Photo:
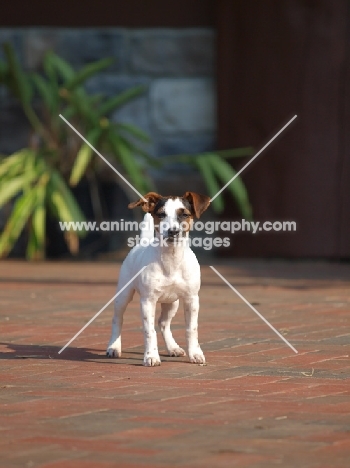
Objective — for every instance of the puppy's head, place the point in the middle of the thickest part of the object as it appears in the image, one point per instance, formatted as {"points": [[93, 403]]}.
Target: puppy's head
{"points": [[173, 215]]}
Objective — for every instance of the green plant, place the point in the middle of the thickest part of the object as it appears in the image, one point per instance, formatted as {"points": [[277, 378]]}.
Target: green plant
{"points": [[38, 177], [216, 172]]}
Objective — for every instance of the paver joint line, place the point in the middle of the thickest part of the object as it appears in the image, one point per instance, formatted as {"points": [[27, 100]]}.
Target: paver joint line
{"points": [[253, 309], [101, 310]]}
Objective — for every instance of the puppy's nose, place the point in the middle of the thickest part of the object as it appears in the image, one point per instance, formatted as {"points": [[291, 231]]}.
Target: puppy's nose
{"points": [[173, 232]]}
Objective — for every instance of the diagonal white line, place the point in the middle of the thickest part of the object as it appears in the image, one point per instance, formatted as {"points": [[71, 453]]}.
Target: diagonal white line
{"points": [[254, 157], [100, 311], [102, 157], [253, 309]]}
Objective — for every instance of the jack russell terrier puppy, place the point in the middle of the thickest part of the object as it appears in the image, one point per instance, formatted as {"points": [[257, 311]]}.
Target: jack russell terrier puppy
{"points": [[172, 272]]}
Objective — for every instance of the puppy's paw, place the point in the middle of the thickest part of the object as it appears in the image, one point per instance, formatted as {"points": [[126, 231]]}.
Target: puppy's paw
{"points": [[150, 360], [177, 352], [113, 352], [197, 357]]}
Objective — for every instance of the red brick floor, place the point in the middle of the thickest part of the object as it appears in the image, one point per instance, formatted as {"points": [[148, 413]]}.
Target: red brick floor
{"points": [[256, 403]]}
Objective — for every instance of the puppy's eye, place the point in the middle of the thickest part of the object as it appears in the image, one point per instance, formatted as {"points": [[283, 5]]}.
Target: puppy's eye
{"points": [[185, 215], [161, 215]]}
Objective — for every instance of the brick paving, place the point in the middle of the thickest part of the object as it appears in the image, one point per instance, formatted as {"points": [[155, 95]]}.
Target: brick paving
{"points": [[255, 404]]}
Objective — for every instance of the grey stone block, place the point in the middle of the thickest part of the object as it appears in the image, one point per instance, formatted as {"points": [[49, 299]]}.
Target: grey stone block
{"points": [[110, 84], [37, 42], [14, 126], [183, 105], [136, 113], [80, 47], [177, 52], [186, 144], [77, 46], [183, 144]]}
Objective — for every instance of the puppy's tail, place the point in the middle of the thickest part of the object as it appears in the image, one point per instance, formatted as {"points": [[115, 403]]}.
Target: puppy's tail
{"points": [[147, 229]]}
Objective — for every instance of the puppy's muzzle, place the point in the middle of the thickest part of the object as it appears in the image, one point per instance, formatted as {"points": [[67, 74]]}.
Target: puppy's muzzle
{"points": [[173, 233]]}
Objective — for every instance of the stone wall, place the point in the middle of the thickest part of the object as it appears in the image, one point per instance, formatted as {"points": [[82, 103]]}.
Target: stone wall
{"points": [[177, 65]]}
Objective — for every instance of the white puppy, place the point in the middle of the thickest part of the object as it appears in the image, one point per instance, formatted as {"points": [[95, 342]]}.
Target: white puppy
{"points": [[172, 272]]}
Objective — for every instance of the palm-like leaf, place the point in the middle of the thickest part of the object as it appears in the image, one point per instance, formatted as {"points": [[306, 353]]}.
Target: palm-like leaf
{"points": [[64, 207], [225, 173], [45, 91], [133, 131], [66, 204], [21, 86], [84, 156], [12, 165], [63, 68], [37, 234], [204, 166], [125, 157], [86, 72], [117, 101], [11, 187], [18, 219]]}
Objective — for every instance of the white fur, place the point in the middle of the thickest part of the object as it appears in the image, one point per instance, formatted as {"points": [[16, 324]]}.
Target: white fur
{"points": [[172, 273], [147, 232], [171, 220]]}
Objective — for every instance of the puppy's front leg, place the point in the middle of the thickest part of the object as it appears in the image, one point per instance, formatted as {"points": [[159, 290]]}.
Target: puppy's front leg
{"points": [[115, 345], [148, 310], [195, 353], [167, 314]]}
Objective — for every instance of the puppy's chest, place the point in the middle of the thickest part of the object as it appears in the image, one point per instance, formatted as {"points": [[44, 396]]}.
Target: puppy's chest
{"points": [[170, 288]]}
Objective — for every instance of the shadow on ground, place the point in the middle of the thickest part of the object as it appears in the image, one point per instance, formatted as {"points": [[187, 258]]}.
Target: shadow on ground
{"points": [[42, 352]]}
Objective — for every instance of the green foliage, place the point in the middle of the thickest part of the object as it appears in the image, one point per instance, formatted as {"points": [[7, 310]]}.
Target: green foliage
{"points": [[37, 179], [216, 172], [214, 168]]}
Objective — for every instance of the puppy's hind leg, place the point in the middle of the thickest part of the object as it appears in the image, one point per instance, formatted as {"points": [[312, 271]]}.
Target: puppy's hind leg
{"points": [[168, 312], [115, 346]]}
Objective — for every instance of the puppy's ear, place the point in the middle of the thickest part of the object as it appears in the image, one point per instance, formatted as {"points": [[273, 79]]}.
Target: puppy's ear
{"points": [[199, 203], [147, 206]]}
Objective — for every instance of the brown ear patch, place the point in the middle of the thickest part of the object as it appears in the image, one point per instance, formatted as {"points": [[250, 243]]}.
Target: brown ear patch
{"points": [[147, 206], [198, 202]]}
